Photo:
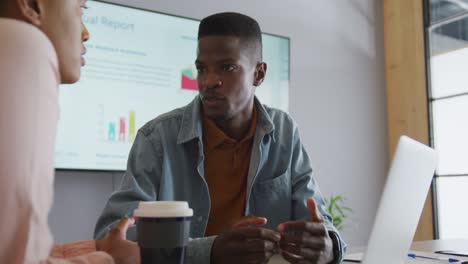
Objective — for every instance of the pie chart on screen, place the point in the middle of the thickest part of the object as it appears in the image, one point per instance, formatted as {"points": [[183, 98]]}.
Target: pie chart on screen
{"points": [[189, 79]]}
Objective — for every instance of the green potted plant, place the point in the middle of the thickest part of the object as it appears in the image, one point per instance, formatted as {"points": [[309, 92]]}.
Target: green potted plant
{"points": [[338, 210]]}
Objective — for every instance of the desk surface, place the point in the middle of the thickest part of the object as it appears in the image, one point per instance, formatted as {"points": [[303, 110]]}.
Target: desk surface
{"points": [[433, 245], [429, 246]]}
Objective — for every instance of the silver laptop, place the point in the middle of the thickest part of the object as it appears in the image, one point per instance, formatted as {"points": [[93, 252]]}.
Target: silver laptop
{"points": [[402, 202]]}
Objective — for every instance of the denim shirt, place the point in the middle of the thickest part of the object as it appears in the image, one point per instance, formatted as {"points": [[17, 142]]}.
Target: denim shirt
{"points": [[166, 163]]}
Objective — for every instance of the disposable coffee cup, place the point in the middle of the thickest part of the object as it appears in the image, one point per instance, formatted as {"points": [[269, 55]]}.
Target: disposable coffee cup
{"points": [[163, 230]]}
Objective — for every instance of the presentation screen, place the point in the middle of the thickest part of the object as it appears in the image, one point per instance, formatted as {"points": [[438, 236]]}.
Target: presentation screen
{"points": [[139, 64]]}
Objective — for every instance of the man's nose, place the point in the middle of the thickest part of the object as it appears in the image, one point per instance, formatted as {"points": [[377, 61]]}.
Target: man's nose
{"points": [[211, 81]]}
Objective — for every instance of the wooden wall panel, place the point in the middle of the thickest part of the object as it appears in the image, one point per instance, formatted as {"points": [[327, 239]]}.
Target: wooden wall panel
{"points": [[405, 72]]}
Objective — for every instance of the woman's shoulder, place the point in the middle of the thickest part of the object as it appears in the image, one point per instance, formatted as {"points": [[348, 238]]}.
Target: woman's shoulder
{"points": [[20, 39]]}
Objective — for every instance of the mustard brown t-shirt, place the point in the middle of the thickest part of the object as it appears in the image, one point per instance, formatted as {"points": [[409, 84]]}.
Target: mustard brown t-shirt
{"points": [[227, 164]]}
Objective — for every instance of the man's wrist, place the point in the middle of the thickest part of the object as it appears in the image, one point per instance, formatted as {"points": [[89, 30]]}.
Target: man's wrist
{"points": [[337, 250], [199, 250]]}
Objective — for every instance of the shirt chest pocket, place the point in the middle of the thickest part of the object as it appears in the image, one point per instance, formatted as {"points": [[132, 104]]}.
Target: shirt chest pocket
{"points": [[271, 198]]}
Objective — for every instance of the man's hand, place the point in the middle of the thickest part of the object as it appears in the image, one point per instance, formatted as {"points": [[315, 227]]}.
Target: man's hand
{"points": [[250, 221], [306, 242], [246, 242], [115, 243]]}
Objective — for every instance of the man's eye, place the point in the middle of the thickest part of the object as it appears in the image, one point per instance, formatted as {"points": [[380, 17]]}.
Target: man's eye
{"points": [[200, 69], [229, 67]]}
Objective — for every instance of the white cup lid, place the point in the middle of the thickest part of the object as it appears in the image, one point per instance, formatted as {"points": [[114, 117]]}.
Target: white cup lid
{"points": [[163, 209]]}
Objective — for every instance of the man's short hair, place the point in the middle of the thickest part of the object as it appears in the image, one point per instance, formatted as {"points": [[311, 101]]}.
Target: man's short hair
{"points": [[234, 25]]}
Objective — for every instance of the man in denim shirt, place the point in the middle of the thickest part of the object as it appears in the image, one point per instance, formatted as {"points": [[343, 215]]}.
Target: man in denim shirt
{"points": [[230, 156]]}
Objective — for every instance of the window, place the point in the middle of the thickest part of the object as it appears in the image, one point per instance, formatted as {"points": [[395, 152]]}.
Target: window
{"points": [[447, 42]]}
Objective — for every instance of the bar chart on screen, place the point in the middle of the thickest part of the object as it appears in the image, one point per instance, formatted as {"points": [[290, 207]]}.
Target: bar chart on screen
{"points": [[189, 79], [117, 128]]}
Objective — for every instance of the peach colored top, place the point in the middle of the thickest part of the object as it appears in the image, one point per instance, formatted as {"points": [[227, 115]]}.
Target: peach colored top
{"points": [[29, 80]]}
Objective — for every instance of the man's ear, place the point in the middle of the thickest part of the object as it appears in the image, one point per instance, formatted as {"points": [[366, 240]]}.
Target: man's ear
{"points": [[260, 73], [31, 11]]}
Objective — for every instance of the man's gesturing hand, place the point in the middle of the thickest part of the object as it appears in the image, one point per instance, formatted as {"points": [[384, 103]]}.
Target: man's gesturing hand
{"points": [[246, 242], [306, 241]]}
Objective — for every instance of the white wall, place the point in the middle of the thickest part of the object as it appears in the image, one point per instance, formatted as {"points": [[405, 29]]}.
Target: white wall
{"points": [[337, 97]]}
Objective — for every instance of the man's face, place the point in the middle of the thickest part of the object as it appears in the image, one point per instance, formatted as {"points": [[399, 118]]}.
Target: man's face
{"points": [[226, 76], [61, 22]]}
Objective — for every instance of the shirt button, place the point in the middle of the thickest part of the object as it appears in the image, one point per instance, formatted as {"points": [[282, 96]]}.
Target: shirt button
{"points": [[200, 218]]}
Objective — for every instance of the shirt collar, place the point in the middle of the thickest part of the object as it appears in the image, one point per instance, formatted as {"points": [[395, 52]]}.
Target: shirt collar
{"points": [[213, 136], [191, 124]]}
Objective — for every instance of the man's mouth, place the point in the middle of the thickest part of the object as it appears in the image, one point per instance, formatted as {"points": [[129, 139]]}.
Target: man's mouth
{"points": [[212, 100]]}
